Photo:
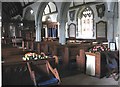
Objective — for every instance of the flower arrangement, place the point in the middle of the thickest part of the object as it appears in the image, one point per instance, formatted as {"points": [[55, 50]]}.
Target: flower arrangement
{"points": [[98, 48], [34, 56]]}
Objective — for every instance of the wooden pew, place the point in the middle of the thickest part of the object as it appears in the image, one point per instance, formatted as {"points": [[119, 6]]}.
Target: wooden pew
{"points": [[71, 52], [15, 74], [12, 54], [81, 60], [40, 73]]}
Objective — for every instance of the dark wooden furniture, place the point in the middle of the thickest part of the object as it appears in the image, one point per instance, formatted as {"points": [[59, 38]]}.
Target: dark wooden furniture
{"points": [[42, 73], [100, 63], [70, 53], [15, 74], [81, 60]]}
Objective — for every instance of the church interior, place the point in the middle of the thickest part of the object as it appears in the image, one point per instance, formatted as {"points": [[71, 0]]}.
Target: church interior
{"points": [[60, 42]]}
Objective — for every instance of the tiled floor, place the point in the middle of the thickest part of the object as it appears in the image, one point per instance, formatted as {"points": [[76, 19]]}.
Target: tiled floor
{"points": [[82, 79]]}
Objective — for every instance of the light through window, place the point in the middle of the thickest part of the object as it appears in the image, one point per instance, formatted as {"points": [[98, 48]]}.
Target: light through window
{"points": [[85, 24]]}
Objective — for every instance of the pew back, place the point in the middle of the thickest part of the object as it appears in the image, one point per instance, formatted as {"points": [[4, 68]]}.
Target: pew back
{"points": [[15, 74]]}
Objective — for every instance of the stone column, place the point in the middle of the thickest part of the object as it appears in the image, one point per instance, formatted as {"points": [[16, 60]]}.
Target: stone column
{"points": [[38, 27], [38, 38], [111, 26], [38, 32], [62, 38], [110, 31]]}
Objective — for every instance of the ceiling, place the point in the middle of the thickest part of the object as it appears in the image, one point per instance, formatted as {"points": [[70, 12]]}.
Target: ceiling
{"points": [[11, 9]]}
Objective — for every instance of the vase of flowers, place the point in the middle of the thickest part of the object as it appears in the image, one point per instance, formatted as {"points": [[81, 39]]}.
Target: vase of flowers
{"points": [[98, 48], [34, 56]]}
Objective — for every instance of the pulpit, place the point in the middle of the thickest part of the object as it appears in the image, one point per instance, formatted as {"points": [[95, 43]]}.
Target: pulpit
{"points": [[96, 64]]}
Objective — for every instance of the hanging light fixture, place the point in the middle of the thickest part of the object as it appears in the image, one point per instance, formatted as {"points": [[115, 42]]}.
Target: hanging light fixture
{"points": [[31, 11]]}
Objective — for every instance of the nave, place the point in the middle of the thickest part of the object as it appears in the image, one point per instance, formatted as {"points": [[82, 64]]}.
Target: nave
{"points": [[15, 71], [60, 43]]}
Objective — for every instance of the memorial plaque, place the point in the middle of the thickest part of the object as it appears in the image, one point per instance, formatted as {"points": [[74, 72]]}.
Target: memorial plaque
{"points": [[72, 30], [101, 29]]}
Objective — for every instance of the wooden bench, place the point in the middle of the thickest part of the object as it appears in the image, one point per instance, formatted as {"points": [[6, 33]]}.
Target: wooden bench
{"points": [[42, 73], [15, 74]]}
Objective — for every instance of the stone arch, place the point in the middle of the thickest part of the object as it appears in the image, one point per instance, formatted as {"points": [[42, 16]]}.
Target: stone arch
{"points": [[27, 14], [40, 11], [62, 18], [63, 11], [38, 19]]}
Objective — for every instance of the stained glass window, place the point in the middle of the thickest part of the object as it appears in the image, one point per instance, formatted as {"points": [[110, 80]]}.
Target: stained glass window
{"points": [[85, 24]]}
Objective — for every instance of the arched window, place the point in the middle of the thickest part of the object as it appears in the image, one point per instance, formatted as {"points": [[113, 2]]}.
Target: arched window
{"points": [[85, 24], [50, 8]]}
